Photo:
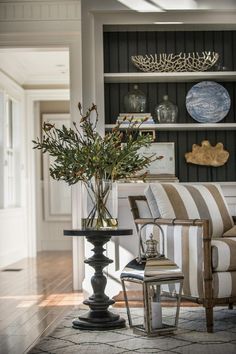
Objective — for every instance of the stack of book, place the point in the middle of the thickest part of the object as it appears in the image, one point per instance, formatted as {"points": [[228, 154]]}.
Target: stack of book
{"points": [[126, 118], [161, 177], [148, 178]]}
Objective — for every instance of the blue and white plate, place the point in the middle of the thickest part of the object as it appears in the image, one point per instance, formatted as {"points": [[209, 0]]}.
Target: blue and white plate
{"points": [[208, 102]]}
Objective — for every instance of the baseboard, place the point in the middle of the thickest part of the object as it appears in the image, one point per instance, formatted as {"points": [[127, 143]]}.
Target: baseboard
{"points": [[12, 257]]}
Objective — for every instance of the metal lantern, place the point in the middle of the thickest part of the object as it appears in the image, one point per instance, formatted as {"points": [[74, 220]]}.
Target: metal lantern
{"points": [[162, 288], [162, 283]]}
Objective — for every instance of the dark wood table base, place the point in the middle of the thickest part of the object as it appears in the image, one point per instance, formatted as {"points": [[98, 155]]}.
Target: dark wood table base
{"points": [[99, 317], [101, 321]]}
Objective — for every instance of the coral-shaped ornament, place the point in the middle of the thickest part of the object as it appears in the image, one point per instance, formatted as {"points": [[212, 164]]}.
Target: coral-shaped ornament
{"points": [[208, 155]]}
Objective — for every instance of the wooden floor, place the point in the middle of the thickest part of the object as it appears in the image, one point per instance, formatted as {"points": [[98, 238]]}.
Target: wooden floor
{"points": [[34, 296]]}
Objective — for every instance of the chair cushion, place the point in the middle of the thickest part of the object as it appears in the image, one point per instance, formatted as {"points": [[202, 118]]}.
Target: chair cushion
{"points": [[231, 232], [224, 254], [189, 201]]}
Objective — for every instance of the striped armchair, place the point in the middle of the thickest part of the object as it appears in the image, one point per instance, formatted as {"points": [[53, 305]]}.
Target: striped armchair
{"points": [[200, 237]]}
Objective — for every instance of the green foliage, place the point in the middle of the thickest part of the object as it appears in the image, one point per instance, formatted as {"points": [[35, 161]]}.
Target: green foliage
{"points": [[81, 154]]}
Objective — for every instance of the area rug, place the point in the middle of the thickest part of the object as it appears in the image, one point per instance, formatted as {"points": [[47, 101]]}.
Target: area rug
{"points": [[190, 338]]}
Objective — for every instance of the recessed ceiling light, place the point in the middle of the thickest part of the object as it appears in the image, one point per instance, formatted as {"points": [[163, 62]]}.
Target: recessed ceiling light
{"points": [[141, 5], [168, 23]]}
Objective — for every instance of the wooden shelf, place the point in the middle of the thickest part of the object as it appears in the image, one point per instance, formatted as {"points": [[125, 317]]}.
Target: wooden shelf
{"points": [[169, 77], [181, 126]]}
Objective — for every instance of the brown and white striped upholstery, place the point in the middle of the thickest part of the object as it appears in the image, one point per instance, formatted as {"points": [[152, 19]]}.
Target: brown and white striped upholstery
{"points": [[180, 240], [224, 254], [200, 201], [184, 246], [188, 241], [224, 284]]}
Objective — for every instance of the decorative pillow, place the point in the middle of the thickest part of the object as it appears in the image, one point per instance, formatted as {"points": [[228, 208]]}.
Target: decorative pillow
{"points": [[231, 232], [189, 201]]}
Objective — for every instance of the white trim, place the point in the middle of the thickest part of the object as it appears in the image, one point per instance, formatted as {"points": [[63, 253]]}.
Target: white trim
{"points": [[77, 242], [11, 87]]}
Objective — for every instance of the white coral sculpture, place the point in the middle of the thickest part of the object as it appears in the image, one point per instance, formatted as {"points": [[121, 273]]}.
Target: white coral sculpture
{"points": [[175, 62]]}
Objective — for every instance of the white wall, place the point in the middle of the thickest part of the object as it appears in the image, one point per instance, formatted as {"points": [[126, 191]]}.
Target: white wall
{"points": [[13, 236], [13, 240]]}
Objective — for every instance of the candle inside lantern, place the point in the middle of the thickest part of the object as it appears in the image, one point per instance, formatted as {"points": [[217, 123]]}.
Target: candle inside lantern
{"points": [[156, 315]]}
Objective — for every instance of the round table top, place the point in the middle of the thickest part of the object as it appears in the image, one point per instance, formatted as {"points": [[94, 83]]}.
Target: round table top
{"points": [[98, 232]]}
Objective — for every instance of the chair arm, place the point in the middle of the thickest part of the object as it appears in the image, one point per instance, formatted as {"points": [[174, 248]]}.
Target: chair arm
{"points": [[181, 222], [188, 244]]}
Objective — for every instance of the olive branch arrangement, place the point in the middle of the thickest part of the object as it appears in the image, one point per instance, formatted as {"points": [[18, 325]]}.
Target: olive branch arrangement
{"points": [[82, 154]]}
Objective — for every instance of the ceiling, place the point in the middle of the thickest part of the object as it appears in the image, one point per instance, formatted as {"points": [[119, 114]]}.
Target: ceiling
{"points": [[177, 5], [36, 67]]}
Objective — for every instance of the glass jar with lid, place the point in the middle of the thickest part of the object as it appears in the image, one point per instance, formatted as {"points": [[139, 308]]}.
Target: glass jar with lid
{"points": [[166, 111], [135, 101]]}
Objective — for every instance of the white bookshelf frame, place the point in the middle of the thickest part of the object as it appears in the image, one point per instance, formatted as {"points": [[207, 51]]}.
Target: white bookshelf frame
{"points": [[135, 77], [182, 126]]}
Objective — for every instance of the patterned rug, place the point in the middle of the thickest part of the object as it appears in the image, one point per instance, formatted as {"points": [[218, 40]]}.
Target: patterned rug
{"points": [[190, 338]]}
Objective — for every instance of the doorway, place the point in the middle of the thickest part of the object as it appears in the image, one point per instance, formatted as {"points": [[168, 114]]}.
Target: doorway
{"points": [[38, 79], [53, 201]]}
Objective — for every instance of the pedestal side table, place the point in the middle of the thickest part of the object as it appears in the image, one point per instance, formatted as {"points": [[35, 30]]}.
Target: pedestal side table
{"points": [[98, 317]]}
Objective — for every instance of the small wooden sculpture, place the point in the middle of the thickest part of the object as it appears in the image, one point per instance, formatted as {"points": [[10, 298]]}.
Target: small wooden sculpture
{"points": [[208, 155]]}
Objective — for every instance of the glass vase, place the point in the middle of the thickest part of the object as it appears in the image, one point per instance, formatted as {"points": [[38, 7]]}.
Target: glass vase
{"points": [[166, 111], [135, 101], [100, 204]]}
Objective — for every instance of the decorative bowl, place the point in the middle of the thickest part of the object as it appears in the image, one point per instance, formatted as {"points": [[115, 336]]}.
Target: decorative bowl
{"points": [[175, 62]]}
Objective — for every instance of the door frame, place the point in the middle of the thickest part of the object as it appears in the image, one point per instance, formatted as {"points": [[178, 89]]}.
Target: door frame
{"points": [[31, 97]]}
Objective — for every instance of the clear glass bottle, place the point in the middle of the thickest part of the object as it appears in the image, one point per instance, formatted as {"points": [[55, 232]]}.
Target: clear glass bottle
{"points": [[166, 111], [135, 101]]}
